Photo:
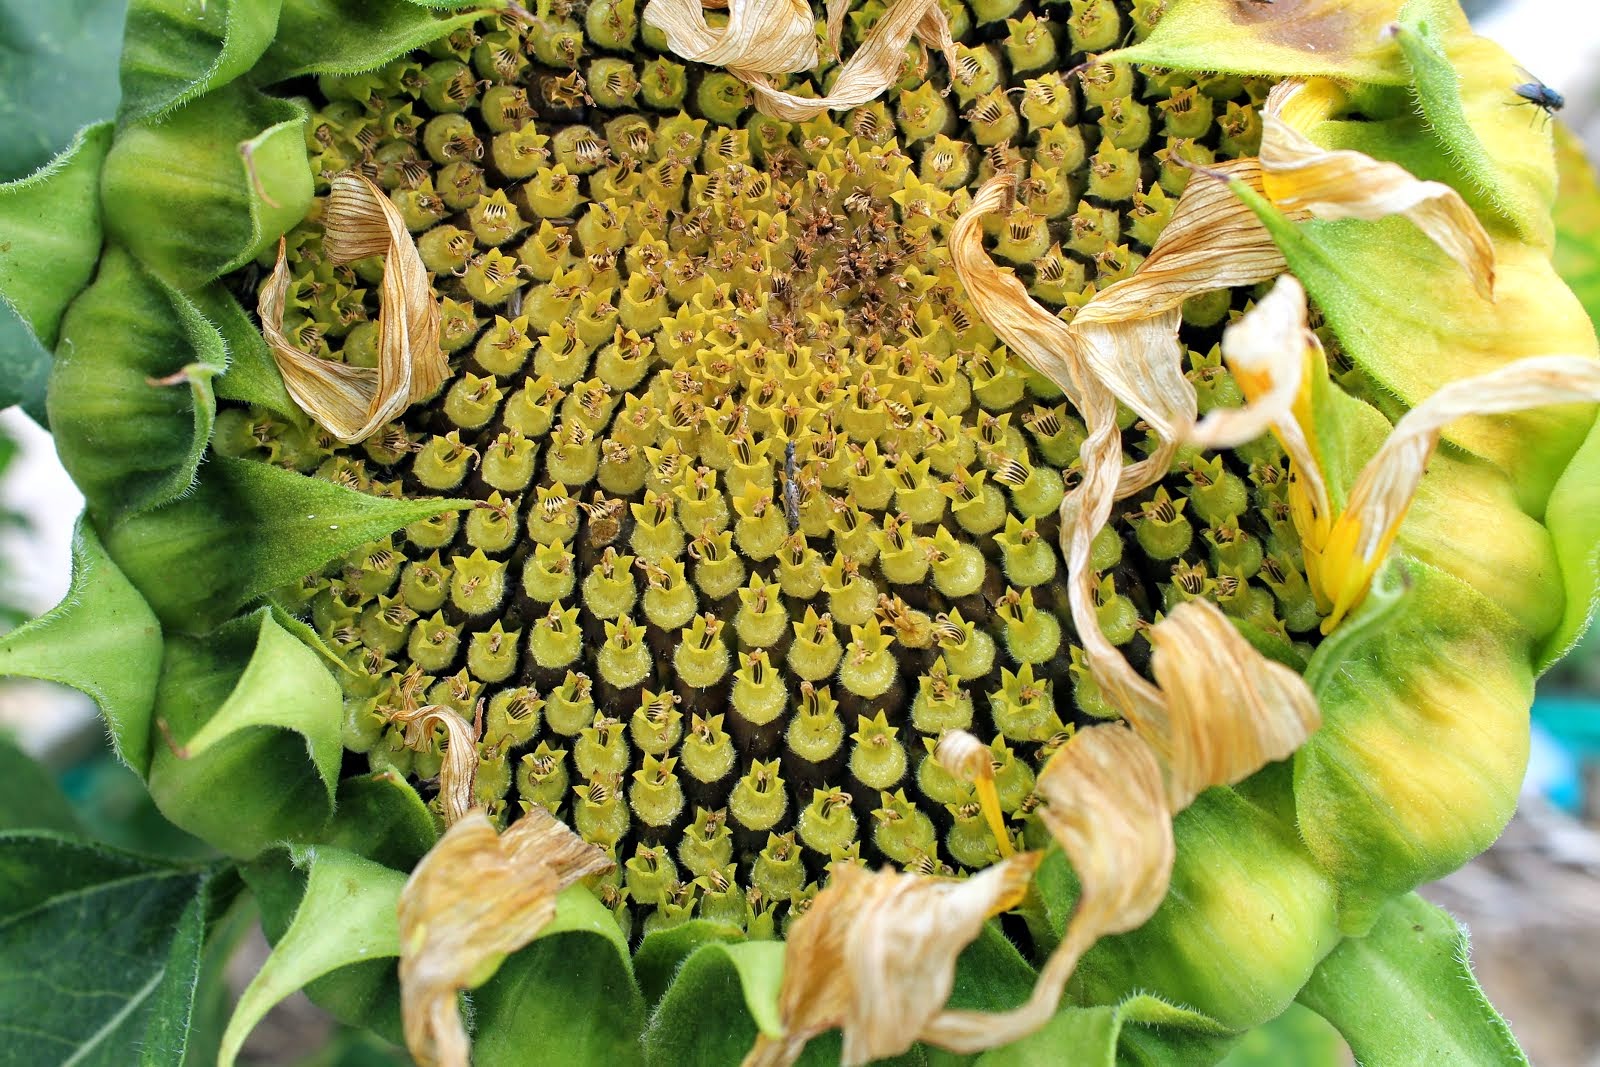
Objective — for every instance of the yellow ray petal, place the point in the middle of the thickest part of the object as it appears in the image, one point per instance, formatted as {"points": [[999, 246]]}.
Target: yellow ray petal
{"points": [[476, 897], [1363, 533], [973, 761], [873, 67], [458, 773], [761, 36], [352, 402], [1105, 804], [1299, 175], [875, 955]]}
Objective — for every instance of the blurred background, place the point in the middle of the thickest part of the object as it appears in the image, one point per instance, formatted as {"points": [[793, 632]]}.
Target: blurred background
{"points": [[1532, 902]]}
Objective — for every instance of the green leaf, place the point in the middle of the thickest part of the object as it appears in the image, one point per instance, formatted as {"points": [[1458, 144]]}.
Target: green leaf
{"points": [[345, 917], [131, 400], [60, 74], [346, 36], [102, 639], [248, 713], [569, 994], [1405, 994], [30, 799], [51, 222], [246, 529], [210, 186], [1460, 112], [177, 50], [99, 952], [1095, 1036]]}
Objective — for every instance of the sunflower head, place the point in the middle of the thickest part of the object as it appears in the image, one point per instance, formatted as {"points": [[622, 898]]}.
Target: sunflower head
{"points": [[889, 482]]}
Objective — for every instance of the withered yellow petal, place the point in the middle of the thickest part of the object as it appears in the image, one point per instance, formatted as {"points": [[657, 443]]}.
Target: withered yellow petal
{"points": [[875, 955], [761, 36], [352, 402], [476, 897], [460, 768], [1299, 175], [1365, 530], [1105, 803]]}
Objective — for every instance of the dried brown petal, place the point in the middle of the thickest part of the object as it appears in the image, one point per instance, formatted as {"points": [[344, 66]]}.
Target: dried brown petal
{"points": [[476, 897], [761, 36], [352, 402], [460, 768], [1299, 175], [1231, 711], [873, 67], [1214, 241], [1106, 806], [876, 956]]}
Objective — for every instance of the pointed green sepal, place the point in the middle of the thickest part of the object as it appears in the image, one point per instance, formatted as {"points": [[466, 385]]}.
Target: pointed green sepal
{"points": [[1424, 693], [249, 713], [175, 50], [131, 398], [1109, 1035], [343, 921], [209, 187], [246, 529], [571, 992], [52, 224], [102, 639], [347, 36]]}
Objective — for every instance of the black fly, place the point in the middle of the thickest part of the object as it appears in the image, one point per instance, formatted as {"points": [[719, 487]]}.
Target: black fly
{"points": [[791, 487], [1535, 92]]}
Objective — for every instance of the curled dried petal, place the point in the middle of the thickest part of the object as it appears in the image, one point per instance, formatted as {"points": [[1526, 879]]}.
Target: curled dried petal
{"points": [[459, 771], [873, 67], [1105, 803], [1299, 175], [1363, 533], [761, 36], [352, 402], [875, 955], [1273, 355], [476, 897], [1231, 711], [1214, 241]]}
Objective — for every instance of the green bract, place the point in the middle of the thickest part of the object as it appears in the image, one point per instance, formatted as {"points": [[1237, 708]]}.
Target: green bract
{"points": [[126, 257]]}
